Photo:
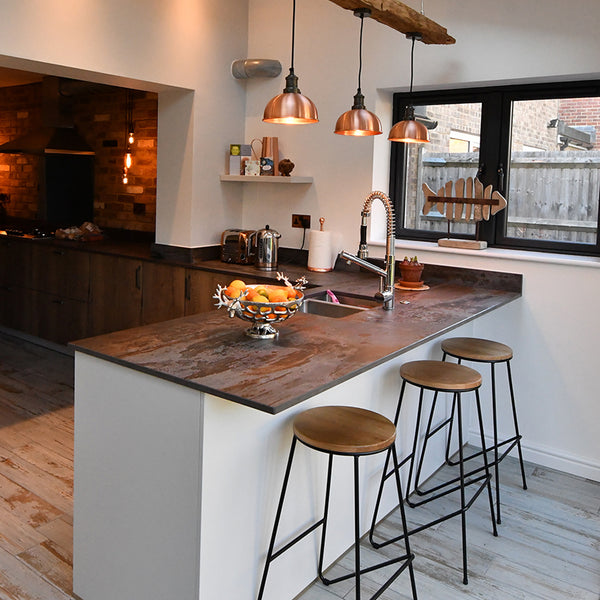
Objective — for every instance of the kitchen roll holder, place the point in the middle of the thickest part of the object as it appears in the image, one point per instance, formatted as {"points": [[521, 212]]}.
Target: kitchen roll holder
{"points": [[322, 251]]}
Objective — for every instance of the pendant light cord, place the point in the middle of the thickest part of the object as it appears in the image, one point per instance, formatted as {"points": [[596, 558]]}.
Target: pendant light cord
{"points": [[293, 33], [412, 63], [362, 22]]}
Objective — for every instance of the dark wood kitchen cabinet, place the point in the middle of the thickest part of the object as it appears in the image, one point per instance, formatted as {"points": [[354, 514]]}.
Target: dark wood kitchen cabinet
{"points": [[15, 273], [57, 318], [61, 271], [15, 262], [15, 307], [57, 294], [199, 289], [44, 289], [163, 292], [115, 293], [62, 294]]}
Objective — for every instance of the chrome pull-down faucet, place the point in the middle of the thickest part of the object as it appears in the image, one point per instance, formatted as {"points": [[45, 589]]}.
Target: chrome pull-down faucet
{"points": [[386, 275]]}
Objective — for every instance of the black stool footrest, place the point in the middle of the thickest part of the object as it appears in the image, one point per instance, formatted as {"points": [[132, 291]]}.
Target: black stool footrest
{"points": [[513, 441], [407, 558], [300, 536]]}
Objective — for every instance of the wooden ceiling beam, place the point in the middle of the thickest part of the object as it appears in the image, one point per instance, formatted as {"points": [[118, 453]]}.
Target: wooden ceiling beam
{"points": [[400, 17]]}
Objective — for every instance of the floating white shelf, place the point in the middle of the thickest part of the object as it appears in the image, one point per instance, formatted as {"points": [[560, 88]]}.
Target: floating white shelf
{"points": [[266, 179]]}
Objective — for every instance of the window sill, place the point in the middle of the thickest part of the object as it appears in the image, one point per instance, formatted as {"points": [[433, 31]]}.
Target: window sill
{"points": [[495, 253]]}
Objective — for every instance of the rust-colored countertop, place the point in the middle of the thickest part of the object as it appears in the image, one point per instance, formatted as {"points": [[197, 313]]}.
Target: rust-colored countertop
{"points": [[211, 353]]}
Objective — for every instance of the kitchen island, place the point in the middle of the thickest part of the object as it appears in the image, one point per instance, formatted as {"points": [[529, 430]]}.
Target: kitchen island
{"points": [[182, 430]]}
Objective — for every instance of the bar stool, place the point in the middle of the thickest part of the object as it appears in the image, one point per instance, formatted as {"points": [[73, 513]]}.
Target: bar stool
{"points": [[438, 376], [487, 351], [344, 431]]}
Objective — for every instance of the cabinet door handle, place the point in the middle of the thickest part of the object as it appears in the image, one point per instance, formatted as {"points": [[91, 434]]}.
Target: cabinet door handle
{"points": [[58, 301], [59, 252], [138, 278]]}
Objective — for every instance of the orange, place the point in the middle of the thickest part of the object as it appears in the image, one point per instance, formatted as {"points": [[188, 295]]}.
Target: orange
{"points": [[232, 292], [237, 283], [291, 293], [278, 295]]}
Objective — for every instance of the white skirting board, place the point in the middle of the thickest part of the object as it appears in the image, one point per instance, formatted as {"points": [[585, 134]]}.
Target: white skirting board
{"points": [[549, 457]]}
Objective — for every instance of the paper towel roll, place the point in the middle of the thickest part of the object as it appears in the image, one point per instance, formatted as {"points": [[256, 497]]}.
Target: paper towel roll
{"points": [[320, 251]]}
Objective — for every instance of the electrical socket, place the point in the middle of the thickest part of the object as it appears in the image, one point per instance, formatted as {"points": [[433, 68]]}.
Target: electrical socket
{"points": [[302, 221]]}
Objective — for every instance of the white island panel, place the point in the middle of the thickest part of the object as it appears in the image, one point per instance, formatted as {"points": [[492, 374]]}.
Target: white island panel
{"points": [[137, 482]]}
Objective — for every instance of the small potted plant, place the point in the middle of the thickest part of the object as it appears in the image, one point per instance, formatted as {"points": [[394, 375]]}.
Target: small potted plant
{"points": [[411, 270]]}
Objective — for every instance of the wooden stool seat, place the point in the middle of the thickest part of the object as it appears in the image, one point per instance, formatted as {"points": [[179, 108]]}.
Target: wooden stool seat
{"points": [[344, 430], [477, 349], [440, 376]]}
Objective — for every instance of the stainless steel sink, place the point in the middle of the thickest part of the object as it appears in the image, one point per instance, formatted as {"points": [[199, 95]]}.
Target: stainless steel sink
{"points": [[323, 305]]}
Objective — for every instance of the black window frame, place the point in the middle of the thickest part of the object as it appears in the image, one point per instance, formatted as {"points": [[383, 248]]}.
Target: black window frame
{"points": [[494, 155]]}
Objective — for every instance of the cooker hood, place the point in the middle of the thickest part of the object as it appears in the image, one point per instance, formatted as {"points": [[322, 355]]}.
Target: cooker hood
{"points": [[57, 134]]}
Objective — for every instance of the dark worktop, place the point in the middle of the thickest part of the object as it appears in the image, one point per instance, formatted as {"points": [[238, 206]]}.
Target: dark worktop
{"points": [[211, 353]]}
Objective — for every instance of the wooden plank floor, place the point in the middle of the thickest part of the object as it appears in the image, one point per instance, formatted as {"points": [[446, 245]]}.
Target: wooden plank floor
{"points": [[36, 472], [548, 547]]}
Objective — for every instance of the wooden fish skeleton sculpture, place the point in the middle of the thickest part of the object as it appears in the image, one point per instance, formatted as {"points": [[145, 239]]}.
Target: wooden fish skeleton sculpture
{"points": [[465, 202]]}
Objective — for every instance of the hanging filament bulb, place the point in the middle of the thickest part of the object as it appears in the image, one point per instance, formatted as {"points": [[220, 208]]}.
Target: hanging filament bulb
{"points": [[128, 158]]}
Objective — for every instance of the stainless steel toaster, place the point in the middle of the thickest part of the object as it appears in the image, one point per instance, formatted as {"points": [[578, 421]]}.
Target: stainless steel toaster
{"points": [[237, 246]]}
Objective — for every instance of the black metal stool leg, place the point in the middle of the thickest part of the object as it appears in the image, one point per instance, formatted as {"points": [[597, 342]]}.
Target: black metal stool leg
{"points": [[270, 555], [325, 515], [384, 473], [485, 462], [517, 432], [413, 453], [495, 423], [356, 530], [463, 506], [409, 554]]}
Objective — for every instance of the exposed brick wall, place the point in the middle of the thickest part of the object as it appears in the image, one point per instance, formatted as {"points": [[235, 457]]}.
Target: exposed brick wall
{"points": [[581, 111], [100, 119], [453, 117], [530, 125], [20, 110]]}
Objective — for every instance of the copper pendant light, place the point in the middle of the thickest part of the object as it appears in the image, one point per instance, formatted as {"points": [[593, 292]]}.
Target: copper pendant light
{"points": [[291, 107], [409, 130], [359, 121]]}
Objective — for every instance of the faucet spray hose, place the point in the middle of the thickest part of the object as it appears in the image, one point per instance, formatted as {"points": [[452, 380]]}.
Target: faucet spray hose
{"points": [[363, 234]]}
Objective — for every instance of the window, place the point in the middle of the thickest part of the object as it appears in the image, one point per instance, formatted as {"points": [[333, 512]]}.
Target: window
{"points": [[538, 145]]}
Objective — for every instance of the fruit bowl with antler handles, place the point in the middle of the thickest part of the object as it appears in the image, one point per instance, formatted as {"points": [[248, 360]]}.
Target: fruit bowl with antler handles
{"points": [[262, 304]]}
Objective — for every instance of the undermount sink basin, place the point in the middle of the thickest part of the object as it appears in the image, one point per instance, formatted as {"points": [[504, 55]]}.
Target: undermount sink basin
{"points": [[322, 304]]}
